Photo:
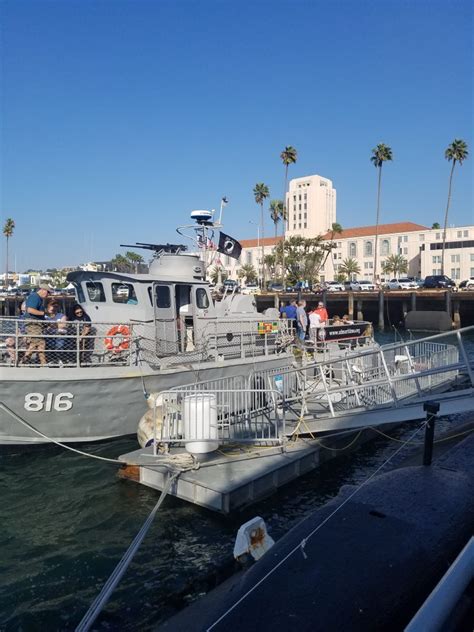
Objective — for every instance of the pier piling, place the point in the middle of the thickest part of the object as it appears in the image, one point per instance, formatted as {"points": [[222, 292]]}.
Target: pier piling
{"points": [[413, 301], [360, 313], [350, 305], [381, 312], [456, 316]]}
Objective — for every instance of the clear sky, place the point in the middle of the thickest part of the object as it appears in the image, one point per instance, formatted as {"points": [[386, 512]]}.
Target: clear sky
{"points": [[118, 118]]}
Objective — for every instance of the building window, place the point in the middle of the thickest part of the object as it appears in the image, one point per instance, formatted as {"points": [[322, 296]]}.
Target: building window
{"points": [[455, 273], [405, 251], [299, 197], [294, 198], [299, 225], [352, 249], [459, 233], [422, 237], [385, 249], [305, 206], [306, 216], [249, 257], [305, 225], [437, 259], [472, 256], [294, 226], [472, 272], [436, 270], [466, 233], [405, 238], [305, 196], [437, 236], [368, 249], [455, 258], [299, 207]]}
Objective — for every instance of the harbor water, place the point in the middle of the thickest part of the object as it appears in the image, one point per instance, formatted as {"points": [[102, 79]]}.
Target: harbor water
{"points": [[66, 520]]}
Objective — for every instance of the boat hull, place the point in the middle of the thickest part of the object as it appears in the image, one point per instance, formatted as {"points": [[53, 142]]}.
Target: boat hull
{"points": [[76, 405]]}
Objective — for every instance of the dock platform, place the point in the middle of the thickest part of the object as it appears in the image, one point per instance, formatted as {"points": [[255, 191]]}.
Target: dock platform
{"points": [[226, 481]]}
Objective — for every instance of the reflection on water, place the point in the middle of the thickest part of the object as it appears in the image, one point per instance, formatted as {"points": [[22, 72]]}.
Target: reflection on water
{"points": [[67, 520]]}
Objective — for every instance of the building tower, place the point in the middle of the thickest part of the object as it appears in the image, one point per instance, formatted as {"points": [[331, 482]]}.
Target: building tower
{"points": [[311, 204]]}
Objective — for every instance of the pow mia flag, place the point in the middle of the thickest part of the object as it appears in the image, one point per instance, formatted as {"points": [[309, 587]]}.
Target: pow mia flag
{"points": [[229, 246]]}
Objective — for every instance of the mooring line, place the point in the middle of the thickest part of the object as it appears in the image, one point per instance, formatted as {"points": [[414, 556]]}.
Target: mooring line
{"points": [[100, 601]]}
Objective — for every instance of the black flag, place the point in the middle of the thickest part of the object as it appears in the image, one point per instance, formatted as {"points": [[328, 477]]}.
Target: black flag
{"points": [[229, 246]]}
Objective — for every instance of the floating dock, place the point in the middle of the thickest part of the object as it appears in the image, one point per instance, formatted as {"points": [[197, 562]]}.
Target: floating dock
{"points": [[227, 480]]}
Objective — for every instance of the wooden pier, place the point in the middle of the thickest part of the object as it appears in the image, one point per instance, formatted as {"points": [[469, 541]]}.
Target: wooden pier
{"points": [[385, 308]]}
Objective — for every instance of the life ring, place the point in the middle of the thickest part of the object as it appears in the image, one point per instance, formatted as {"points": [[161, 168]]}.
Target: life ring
{"points": [[118, 334]]}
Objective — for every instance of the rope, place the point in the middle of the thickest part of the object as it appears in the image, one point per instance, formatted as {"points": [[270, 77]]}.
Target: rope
{"points": [[109, 586], [346, 447], [300, 546], [455, 436], [16, 417]]}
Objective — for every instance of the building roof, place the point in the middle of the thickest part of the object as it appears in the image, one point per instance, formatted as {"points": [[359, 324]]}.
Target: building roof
{"points": [[266, 241], [384, 229]]}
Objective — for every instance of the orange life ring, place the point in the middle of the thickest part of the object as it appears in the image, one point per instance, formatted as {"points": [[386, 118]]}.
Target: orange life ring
{"points": [[120, 334]]}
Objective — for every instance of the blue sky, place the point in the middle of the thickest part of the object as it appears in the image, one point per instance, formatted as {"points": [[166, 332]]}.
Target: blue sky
{"points": [[119, 118]]}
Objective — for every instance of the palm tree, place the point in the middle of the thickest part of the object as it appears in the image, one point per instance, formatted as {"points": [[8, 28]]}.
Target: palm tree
{"points": [[349, 267], [336, 229], [435, 226], [396, 264], [457, 152], [135, 259], [289, 157], [261, 193], [276, 213], [380, 154], [120, 263], [217, 274], [249, 272], [8, 229]]}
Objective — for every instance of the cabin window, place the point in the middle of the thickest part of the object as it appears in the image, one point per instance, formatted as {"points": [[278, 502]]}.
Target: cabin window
{"points": [[124, 293], [79, 293], [95, 292], [202, 299], [163, 296]]}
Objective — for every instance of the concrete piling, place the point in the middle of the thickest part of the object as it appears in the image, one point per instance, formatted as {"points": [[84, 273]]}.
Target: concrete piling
{"points": [[381, 312]]}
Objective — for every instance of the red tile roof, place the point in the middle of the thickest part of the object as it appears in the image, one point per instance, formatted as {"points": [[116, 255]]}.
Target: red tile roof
{"points": [[384, 229], [252, 243]]}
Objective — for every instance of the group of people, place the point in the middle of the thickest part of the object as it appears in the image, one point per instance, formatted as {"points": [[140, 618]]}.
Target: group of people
{"points": [[43, 329], [311, 323]]}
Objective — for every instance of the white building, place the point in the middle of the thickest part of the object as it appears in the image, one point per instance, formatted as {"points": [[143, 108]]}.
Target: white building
{"points": [[311, 204]]}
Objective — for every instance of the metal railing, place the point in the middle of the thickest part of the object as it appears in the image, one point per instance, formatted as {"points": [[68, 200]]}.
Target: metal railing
{"points": [[203, 414], [378, 377], [33, 343]]}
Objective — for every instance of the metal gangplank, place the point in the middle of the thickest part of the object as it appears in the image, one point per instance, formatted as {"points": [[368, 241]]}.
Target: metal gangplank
{"points": [[391, 380]]}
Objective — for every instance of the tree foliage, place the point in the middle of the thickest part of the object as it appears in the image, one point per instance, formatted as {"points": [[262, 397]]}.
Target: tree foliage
{"points": [[8, 229], [395, 264], [303, 257], [248, 273], [349, 267]]}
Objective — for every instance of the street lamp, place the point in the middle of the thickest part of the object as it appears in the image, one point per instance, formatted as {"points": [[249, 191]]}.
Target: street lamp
{"points": [[260, 276]]}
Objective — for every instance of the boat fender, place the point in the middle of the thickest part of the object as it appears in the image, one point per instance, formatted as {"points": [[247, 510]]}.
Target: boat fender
{"points": [[145, 430], [118, 339]]}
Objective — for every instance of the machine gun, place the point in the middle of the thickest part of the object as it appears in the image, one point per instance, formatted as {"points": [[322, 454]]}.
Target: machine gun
{"points": [[158, 248]]}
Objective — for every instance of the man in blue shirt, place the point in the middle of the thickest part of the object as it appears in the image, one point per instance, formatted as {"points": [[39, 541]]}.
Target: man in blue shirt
{"points": [[34, 328]]}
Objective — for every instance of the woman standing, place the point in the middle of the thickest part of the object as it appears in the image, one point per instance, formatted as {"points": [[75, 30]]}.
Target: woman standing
{"points": [[86, 341], [54, 330]]}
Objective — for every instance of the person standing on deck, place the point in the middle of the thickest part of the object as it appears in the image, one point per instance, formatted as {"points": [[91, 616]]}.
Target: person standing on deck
{"points": [[301, 320], [322, 312], [34, 328]]}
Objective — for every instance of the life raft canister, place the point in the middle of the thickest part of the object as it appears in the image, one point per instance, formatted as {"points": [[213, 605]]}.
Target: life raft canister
{"points": [[118, 339]]}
